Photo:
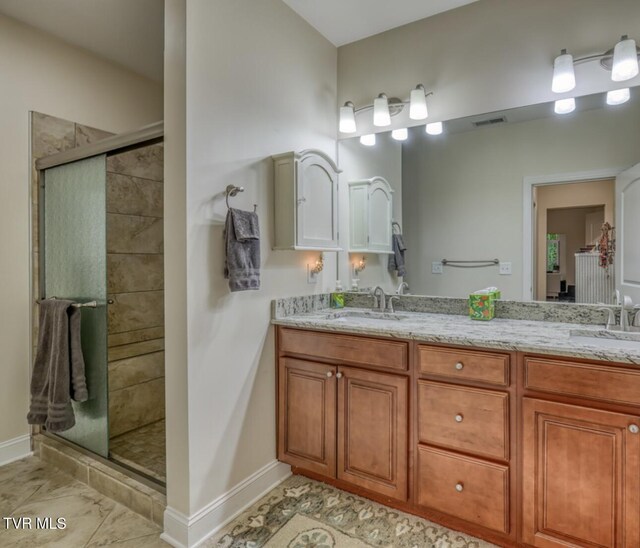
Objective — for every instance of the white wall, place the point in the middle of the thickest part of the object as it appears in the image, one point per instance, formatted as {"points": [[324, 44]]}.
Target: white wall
{"points": [[486, 56], [361, 162], [260, 81], [46, 75], [463, 192], [175, 255]]}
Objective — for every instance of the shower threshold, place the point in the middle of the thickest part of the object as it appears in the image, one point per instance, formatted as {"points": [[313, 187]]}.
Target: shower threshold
{"points": [[142, 450]]}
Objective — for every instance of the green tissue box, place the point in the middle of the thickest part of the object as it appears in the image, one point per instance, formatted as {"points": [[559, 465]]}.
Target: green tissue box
{"points": [[337, 300], [482, 307]]}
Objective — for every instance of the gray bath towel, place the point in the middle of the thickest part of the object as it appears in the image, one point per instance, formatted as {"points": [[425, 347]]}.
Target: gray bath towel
{"points": [[58, 370], [396, 259], [242, 250]]}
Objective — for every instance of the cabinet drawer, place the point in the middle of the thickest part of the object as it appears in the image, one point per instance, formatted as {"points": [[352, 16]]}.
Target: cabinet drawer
{"points": [[468, 488], [345, 348], [468, 419], [598, 382], [468, 365]]}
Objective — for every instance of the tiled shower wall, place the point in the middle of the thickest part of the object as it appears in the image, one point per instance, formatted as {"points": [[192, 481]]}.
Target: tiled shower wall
{"points": [[135, 284], [135, 268]]}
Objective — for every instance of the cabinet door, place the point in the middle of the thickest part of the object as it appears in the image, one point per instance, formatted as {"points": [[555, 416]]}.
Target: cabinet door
{"points": [[307, 415], [380, 204], [317, 201], [372, 431], [581, 476], [358, 217]]}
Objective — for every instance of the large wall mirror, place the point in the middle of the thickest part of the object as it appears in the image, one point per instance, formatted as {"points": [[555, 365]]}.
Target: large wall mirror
{"points": [[530, 188]]}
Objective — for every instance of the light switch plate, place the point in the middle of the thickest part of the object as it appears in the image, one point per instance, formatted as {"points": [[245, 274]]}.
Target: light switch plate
{"points": [[505, 269], [436, 267]]}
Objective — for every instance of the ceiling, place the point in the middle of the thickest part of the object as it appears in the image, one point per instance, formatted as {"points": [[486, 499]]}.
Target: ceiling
{"points": [[345, 21], [127, 32]]}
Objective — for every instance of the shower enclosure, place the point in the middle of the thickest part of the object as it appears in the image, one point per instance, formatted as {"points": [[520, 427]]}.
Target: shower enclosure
{"points": [[101, 239]]}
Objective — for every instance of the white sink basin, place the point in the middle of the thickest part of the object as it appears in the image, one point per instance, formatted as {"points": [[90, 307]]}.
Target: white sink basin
{"points": [[365, 315], [607, 339]]}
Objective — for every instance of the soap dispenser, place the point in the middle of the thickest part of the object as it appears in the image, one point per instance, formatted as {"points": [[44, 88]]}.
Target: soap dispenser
{"points": [[337, 297]]}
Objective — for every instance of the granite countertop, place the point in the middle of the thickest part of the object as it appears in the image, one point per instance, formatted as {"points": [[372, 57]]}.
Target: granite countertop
{"points": [[501, 334]]}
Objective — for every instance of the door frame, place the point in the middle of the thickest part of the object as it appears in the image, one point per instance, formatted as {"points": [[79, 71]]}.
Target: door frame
{"points": [[529, 218]]}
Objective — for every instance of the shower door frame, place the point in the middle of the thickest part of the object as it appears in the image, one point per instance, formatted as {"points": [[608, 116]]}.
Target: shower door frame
{"points": [[147, 135]]}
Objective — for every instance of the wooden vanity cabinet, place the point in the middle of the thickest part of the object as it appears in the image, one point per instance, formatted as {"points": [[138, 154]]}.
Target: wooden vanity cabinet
{"points": [[345, 422], [518, 449]]}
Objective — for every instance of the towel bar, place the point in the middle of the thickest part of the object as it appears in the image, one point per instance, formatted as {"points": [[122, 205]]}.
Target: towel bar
{"points": [[90, 304]]}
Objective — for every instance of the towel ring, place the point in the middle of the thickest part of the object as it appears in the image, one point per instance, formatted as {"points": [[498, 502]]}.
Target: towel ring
{"points": [[232, 191], [395, 224]]}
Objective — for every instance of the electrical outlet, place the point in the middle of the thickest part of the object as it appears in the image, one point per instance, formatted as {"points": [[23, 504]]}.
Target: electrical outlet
{"points": [[312, 277], [436, 267], [505, 269]]}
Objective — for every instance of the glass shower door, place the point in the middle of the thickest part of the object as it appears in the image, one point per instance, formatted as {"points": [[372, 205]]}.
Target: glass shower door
{"points": [[74, 266]]}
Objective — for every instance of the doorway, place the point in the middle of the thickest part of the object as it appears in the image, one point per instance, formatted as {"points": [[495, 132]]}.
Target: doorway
{"points": [[568, 219]]}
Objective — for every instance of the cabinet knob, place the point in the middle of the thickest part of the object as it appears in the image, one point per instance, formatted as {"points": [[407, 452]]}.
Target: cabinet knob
{"points": [[459, 487], [634, 428], [459, 366], [329, 374], [338, 375], [459, 418]]}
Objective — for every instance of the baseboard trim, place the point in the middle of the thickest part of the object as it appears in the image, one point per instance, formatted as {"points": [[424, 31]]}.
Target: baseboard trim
{"points": [[184, 531], [15, 449]]}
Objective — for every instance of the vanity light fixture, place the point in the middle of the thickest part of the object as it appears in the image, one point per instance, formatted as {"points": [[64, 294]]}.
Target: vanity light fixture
{"points": [[564, 77], [564, 106], [418, 103], [435, 128], [621, 61], [625, 60], [618, 96], [347, 118], [400, 134], [381, 115], [368, 140], [384, 109], [360, 266]]}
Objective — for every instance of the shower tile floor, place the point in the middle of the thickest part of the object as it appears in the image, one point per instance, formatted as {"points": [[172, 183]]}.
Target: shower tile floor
{"points": [[32, 489], [142, 449]]}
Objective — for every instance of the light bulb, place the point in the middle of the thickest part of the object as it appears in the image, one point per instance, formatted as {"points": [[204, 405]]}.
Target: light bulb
{"points": [[400, 134], [418, 104], [434, 128], [564, 78], [618, 96], [368, 140], [565, 106], [381, 116], [625, 60], [347, 118]]}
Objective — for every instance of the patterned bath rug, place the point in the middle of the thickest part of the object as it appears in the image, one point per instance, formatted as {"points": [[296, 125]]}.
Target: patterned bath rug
{"points": [[302, 513]]}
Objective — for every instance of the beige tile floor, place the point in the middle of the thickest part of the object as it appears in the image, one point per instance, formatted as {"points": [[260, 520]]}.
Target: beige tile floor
{"points": [[30, 489], [142, 449]]}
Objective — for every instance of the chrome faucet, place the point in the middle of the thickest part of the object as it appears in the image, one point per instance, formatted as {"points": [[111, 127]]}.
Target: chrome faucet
{"points": [[402, 287], [380, 297], [390, 302], [626, 306]]}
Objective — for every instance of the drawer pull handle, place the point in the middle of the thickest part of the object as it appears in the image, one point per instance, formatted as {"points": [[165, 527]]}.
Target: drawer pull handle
{"points": [[459, 366], [459, 487], [338, 375], [459, 418], [634, 428], [329, 374]]}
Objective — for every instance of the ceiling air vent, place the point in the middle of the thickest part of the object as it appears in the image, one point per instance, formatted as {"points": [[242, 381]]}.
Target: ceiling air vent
{"points": [[490, 122]]}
